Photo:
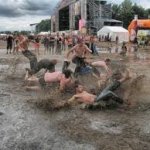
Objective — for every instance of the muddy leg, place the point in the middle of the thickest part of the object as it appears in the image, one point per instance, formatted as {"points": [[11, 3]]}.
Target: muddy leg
{"points": [[109, 95]]}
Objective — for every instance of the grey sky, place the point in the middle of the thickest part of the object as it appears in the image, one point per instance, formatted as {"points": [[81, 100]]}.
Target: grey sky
{"points": [[19, 14]]}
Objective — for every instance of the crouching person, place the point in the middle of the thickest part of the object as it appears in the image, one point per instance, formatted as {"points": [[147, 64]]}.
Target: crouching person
{"points": [[64, 79]]}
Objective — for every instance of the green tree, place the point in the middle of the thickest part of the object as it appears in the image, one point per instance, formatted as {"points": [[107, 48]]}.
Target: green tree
{"points": [[126, 12], [147, 13], [116, 12], [138, 10], [44, 25]]}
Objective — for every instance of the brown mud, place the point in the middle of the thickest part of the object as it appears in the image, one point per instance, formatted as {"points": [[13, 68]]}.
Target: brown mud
{"points": [[28, 121]]}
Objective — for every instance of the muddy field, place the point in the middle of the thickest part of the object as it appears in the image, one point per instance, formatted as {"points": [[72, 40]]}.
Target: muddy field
{"points": [[27, 121]]}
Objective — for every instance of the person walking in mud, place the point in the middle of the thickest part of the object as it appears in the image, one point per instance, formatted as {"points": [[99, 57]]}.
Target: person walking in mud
{"points": [[79, 52]]}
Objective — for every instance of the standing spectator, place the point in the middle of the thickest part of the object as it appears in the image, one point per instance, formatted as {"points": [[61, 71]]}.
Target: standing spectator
{"points": [[9, 43], [16, 46], [58, 44], [63, 42], [92, 46], [37, 45], [52, 44], [117, 40], [46, 43]]}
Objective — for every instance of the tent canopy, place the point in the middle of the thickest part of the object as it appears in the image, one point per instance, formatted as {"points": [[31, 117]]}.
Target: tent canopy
{"points": [[113, 32]]}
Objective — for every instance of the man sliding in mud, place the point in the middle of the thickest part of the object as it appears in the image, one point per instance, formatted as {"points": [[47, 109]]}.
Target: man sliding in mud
{"points": [[82, 96], [35, 66], [79, 51], [97, 66], [64, 79]]}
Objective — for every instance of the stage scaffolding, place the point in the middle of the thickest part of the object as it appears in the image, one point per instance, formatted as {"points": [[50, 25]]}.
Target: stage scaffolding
{"points": [[94, 12]]}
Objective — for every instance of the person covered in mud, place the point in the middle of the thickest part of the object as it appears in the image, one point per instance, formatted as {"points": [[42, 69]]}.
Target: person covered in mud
{"points": [[79, 52], [96, 65], [23, 45], [35, 66], [47, 64], [107, 94], [64, 79]]}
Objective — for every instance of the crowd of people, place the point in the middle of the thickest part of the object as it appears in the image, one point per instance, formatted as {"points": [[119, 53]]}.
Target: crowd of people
{"points": [[58, 43], [79, 50]]}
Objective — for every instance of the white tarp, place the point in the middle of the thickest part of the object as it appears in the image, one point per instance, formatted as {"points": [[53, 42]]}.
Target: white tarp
{"points": [[113, 32], [44, 33]]}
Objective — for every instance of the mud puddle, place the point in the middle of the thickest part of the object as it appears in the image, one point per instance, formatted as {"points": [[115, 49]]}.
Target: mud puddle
{"points": [[27, 124]]}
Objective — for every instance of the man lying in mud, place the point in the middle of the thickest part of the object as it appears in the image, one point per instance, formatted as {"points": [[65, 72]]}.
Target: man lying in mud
{"points": [[35, 66], [64, 79], [107, 94], [80, 52]]}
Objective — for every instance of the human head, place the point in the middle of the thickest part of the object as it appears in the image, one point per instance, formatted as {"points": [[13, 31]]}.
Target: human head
{"points": [[80, 40], [79, 88], [124, 43], [30, 72], [107, 61], [30, 37], [116, 75], [19, 36], [67, 73]]}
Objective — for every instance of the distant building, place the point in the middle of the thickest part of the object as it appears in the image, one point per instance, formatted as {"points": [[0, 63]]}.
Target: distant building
{"points": [[74, 14]]}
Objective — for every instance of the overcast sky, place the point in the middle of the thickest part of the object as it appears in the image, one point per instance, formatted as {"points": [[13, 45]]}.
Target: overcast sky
{"points": [[19, 14]]}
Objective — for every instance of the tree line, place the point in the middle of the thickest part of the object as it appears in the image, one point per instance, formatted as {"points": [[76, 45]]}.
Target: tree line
{"points": [[44, 25], [126, 10]]}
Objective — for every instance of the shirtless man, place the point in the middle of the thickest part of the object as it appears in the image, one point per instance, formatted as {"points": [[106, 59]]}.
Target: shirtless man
{"points": [[102, 65], [35, 66], [79, 52], [82, 96], [23, 47], [64, 79]]}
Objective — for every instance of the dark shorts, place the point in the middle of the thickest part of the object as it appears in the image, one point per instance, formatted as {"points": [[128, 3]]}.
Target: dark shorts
{"points": [[78, 61], [108, 94], [9, 46], [46, 64], [32, 58]]}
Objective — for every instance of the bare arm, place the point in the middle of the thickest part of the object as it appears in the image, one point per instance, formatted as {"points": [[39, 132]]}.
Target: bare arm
{"points": [[87, 49], [70, 51], [73, 98], [125, 77]]}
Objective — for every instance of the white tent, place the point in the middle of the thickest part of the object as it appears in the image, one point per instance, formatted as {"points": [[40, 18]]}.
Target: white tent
{"points": [[114, 31], [44, 33]]}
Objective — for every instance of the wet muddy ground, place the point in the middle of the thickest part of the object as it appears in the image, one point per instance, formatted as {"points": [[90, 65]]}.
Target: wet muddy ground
{"points": [[27, 121]]}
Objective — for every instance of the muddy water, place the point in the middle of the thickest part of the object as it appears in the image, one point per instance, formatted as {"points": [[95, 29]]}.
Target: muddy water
{"points": [[24, 125]]}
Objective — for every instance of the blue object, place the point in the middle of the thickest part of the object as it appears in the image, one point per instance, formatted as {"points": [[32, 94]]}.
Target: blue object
{"points": [[85, 70]]}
